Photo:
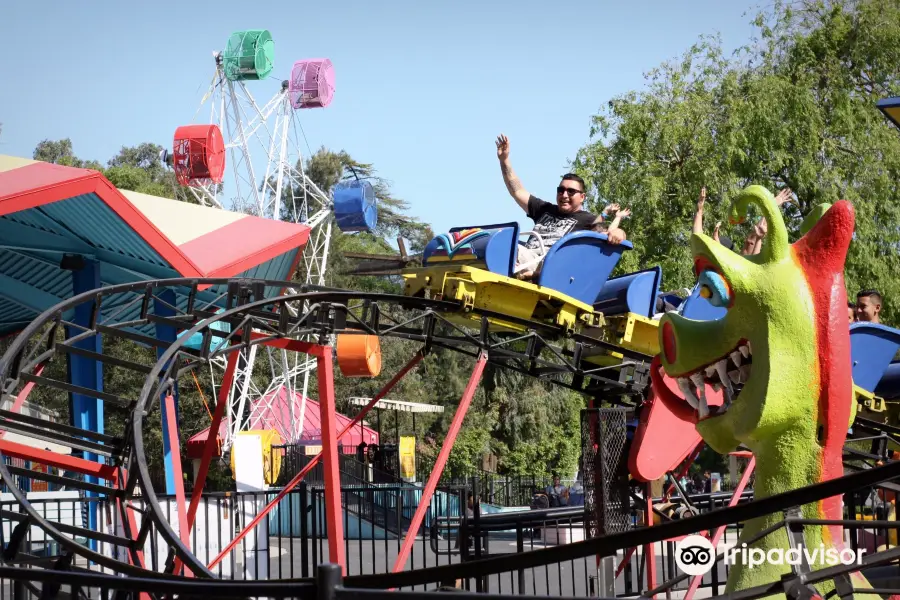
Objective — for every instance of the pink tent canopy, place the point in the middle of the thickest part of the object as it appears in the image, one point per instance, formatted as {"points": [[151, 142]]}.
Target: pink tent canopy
{"points": [[278, 417]]}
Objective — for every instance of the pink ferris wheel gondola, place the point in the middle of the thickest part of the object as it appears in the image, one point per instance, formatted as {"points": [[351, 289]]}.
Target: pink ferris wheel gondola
{"points": [[312, 83]]}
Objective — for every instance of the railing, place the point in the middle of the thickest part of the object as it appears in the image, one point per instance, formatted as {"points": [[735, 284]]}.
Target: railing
{"points": [[525, 552]]}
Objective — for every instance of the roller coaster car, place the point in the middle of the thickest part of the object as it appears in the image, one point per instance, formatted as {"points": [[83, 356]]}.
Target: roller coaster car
{"points": [[475, 266]]}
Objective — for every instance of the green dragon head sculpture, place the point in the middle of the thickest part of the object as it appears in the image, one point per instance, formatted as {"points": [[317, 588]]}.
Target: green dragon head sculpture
{"points": [[780, 355]]}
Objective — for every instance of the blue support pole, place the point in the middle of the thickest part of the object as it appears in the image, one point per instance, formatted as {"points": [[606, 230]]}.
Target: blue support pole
{"points": [[163, 306], [86, 412]]}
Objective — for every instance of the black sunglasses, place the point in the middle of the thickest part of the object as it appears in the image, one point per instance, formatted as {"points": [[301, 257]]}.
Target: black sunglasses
{"points": [[568, 190]]}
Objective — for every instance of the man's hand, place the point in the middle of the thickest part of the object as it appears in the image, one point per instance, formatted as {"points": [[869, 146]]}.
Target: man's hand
{"points": [[702, 199], [513, 185], [716, 230], [615, 235], [502, 147]]}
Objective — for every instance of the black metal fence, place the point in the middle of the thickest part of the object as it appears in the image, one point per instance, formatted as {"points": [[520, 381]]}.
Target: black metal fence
{"points": [[292, 542]]}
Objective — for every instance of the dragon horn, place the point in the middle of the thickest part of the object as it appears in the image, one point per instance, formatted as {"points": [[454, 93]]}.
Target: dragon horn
{"points": [[776, 246]]}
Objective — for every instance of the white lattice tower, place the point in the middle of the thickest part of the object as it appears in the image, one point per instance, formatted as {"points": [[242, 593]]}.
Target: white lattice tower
{"points": [[263, 155]]}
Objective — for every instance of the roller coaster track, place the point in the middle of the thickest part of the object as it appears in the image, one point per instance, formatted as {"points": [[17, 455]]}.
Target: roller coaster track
{"points": [[132, 315]]}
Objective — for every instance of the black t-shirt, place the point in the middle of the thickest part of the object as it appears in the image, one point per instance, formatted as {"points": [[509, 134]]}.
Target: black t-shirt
{"points": [[552, 225]]}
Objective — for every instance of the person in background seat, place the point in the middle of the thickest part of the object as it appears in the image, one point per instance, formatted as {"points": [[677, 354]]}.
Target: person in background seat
{"points": [[868, 306], [558, 493], [551, 221]]}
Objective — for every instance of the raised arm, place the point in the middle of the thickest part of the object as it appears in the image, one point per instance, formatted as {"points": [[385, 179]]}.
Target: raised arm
{"points": [[513, 184], [698, 216]]}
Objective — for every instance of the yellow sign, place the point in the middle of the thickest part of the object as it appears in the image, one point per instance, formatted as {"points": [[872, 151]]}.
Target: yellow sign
{"points": [[408, 457]]}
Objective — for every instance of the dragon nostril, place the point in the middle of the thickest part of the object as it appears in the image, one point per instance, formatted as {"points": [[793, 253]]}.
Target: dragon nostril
{"points": [[669, 346]]}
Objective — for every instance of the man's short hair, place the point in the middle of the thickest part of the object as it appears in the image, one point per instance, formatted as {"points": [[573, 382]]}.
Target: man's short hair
{"points": [[851, 304], [574, 177], [874, 294]]}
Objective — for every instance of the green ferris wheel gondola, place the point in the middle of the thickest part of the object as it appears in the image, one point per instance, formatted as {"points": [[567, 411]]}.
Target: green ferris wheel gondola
{"points": [[249, 55]]}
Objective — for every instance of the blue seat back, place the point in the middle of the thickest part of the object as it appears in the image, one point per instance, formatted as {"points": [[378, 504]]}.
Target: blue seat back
{"points": [[698, 308], [635, 293], [579, 264], [673, 299], [355, 205], [493, 246], [872, 348], [889, 386]]}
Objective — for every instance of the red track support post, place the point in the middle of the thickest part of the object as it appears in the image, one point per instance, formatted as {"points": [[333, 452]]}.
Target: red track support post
{"points": [[438, 469], [213, 438], [175, 444], [649, 549], [717, 534], [327, 408]]}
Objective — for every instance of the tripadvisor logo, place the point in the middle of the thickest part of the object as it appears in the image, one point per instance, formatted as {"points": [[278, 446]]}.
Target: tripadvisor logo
{"points": [[695, 555]]}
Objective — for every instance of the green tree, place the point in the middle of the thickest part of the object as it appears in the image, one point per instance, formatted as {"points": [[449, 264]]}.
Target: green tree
{"points": [[60, 152], [794, 108]]}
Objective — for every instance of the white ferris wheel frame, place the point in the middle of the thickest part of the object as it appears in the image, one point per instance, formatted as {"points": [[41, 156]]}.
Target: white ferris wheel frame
{"points": [[242, 122]]}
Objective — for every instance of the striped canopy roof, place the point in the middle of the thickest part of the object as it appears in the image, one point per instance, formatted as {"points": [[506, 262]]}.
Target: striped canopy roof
{"points": [[47, 211]]}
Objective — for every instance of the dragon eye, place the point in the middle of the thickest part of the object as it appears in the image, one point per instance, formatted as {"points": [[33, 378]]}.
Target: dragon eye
{"points": [[714, 288]]}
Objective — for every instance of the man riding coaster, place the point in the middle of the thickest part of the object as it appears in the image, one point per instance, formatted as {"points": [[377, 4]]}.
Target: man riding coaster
{"points": [[553, 221]]}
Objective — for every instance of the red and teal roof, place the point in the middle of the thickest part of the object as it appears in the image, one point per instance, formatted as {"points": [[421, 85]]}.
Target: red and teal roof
{"points": [[48, 210]]}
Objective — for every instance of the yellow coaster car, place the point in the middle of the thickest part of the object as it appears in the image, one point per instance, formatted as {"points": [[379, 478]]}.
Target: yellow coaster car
{"points": [[475, 266]]}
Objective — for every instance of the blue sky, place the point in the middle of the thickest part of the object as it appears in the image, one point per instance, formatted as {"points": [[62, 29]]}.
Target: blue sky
{"points": [[422, 87]]}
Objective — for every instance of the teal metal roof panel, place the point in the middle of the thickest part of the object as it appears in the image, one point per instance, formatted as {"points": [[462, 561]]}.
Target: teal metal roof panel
{"points": [[92, 220]]}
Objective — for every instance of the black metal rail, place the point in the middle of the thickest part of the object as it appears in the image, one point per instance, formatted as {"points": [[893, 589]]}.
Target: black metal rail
{"points": [[223, 313]]}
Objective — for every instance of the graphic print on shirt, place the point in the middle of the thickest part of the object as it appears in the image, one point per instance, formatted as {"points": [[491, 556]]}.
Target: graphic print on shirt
{"points": [[551, 228]]}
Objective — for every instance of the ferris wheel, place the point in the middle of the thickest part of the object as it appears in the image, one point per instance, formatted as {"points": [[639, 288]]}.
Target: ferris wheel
{"points": [[249, 152]]}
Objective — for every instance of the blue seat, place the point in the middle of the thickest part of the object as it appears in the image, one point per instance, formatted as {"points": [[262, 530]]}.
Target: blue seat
{"points": [[579, 264], [492, 247], [635, 293], [889, 386], [872, 348], [672, 299]]}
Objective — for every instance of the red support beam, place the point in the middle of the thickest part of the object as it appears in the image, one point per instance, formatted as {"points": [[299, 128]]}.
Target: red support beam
{"points": [[717, 534], [175, 444], [327, 409], [292, 345], [212, 439], [61, 461], [309, 467], [23, 395], [649, 549], [438, 469]]}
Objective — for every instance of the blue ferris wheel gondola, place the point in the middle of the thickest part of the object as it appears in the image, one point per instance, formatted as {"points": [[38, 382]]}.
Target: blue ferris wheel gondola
{"points": [[355, 205]]}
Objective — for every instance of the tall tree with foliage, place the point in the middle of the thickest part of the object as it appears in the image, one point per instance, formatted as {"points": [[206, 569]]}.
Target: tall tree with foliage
{"points": [[795, 108]]}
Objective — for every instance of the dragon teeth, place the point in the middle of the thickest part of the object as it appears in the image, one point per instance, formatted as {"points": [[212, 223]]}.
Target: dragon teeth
{"points": [[688, 393], [745, 373], [736, 358], [721, 369], [703, 406], [745, 350], [735, 376], [710, 371]]}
